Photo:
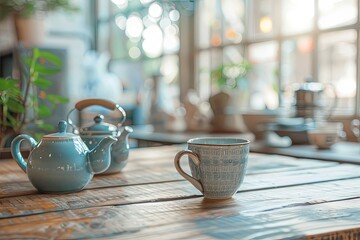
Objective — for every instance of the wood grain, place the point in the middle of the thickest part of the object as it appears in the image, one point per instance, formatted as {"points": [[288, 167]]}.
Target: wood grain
{"points": [[281, 198], [40, 203], [14, 182], [271, 213]]}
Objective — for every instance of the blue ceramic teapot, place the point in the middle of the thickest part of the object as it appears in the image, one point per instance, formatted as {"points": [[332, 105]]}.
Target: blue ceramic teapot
{"points": [[93, 133], [61, 162]]}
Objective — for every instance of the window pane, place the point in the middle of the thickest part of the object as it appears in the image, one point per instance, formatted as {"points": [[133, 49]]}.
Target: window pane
{"points": [[334, 13], [263, 78], [262, 18], [204, 81], [295, 66], [169, 70], [205, 18], [209, 23], [216, 61], [233, 54], [337, 66], [297, 16], [233, 20]]}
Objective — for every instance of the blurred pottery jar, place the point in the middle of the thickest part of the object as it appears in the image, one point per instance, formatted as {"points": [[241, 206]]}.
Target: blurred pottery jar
{"points": [[326, 134]]}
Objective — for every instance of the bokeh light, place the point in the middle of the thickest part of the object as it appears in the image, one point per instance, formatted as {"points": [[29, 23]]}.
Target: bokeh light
{"points": [[153, 41], [155, 10], [120, 21], [169, 68], [265, 24], [151, 31], [144, 2], [164, 22], [171, 43], [122, 4], [134, 26], [134, 52], [216, 40], [174, 15]]}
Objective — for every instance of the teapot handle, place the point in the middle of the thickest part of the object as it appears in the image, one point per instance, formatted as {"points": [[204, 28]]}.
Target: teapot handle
{"points": [[99, 102], [16, 152]]}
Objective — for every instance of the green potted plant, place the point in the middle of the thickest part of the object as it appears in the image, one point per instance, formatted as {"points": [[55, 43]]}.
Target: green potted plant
{"points": [[231, 81], [28, 16], [24, 103], [229, 76]]}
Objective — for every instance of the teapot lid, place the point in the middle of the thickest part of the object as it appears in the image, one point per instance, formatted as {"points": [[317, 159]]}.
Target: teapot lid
{"points": [[61, 134], [311, 86], [99, 128]]}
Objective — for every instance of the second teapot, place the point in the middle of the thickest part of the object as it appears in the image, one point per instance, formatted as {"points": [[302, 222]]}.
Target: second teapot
{"points": [[92, 134]]}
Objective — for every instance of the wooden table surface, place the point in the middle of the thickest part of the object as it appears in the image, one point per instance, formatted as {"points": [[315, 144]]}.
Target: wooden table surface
{"points": [[281, 198]]}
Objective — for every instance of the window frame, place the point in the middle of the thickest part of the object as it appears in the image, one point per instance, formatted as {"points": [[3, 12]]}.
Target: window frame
{"points": [[315, 33]]}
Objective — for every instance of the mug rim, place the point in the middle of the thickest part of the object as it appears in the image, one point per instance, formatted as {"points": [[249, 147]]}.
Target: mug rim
{"points": [[237, 141]]}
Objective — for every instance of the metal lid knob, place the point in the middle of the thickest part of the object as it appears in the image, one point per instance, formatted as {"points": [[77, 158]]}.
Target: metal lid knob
{"points": [[62, 126]]}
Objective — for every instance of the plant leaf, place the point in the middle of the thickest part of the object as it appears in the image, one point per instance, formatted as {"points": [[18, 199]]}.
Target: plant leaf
{"points": [[43, 111], [11, 121], [36, 53], [15, 106], [7, 84], [41, 69], [51, 58], [57, 99], [43, 83]]}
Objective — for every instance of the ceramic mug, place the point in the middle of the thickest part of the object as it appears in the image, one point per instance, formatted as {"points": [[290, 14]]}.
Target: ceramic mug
{"points": [[218, 165]]}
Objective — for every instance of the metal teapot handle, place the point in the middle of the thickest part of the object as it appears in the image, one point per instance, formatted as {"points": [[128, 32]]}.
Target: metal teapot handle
{"points": [[96, 102]]}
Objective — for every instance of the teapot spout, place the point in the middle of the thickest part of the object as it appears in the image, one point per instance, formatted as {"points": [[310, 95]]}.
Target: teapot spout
{"points": [[99, 157], [125, 134]]}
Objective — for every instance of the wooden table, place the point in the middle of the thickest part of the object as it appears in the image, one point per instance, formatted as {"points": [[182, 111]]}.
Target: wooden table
{"points": [[281, 198]]}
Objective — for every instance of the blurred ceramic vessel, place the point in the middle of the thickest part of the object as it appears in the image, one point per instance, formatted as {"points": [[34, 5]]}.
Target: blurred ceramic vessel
{"points": [[325, 135], [256, 122]]}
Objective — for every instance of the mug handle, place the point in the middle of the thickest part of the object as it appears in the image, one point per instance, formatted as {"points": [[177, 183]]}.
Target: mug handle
{"points": [[195, 159]]}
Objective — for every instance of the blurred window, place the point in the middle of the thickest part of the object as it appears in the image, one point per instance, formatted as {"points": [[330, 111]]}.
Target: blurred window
{"points": [[335, 13], [296, 65], [262, 79], [297, 16], [143, 37], [285, 42], [263, 20], [337, 66]]}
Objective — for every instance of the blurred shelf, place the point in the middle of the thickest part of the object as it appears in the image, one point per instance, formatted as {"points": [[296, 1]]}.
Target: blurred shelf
{"points": [[345, 152], [146, 136]]}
